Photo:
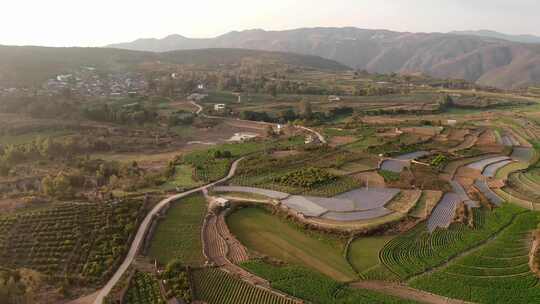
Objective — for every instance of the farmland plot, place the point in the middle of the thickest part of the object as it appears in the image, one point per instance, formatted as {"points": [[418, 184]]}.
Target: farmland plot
{"points": [[143, 289], [482, 164], [496, 273], [444, 212], [214, 286], [523, 154], [418, 250], [315, 287], [178, 234], [488, 193], [69, 239], [266, 234], [492, 169]]}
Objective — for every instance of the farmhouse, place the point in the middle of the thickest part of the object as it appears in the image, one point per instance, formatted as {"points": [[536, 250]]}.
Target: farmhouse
{"points": [[219, 106], [334, 98], [451, 122]]}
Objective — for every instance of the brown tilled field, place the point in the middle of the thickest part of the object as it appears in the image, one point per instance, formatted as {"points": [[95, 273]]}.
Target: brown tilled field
{"points": [[341, 140]]}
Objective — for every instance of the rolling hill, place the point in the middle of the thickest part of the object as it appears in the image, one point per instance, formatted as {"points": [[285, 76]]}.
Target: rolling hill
{"points": [[33, 65], [485, 60]]}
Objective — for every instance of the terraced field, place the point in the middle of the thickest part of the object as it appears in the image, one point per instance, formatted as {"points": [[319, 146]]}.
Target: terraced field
{"points": [[418, 250], [427, 202], [523, 154], [526, 185], [315, 287], [482, 164], [214, 286], [444, 212], [497, 272], [491, 196], [267, 234], [492, 169]]}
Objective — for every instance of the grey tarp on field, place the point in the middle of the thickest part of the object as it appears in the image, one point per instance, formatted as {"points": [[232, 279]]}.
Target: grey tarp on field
{"points": [[444, 212]]}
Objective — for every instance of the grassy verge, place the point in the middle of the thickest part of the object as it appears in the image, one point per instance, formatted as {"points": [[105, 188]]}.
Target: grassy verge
{"points": [[183, 179], [363, 252]]}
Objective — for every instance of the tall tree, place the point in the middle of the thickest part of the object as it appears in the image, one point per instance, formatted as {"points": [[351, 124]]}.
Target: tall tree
{"points": [[305, 109]]}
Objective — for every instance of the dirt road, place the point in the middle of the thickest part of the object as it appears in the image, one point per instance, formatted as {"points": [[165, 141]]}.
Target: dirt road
{"points": [[405, 292], [139, 237], [319, 135]]}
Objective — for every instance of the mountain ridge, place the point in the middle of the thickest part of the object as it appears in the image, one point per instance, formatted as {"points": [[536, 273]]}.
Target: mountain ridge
{"points": [[486, 60], [493, 34]]}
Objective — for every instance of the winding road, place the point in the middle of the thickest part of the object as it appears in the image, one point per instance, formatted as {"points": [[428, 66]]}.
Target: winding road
{"points": [[139, 237]]}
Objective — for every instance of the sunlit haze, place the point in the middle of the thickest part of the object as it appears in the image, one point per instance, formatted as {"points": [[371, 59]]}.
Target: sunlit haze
{"points": [[100, 22]]}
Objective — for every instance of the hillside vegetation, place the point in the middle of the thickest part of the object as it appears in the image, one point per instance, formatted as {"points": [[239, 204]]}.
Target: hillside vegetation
{"points": [[485, 60], [21, 65]]}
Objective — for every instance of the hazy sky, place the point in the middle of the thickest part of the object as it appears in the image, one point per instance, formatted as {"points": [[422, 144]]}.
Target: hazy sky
{"points": [[100, 22]]}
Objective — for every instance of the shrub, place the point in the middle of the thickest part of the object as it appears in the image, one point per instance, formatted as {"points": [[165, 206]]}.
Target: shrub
{"points": [[306, 178]]}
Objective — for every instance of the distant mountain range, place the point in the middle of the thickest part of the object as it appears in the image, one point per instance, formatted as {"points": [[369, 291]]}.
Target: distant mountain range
{"points": [[483, 59], [497, 35]]}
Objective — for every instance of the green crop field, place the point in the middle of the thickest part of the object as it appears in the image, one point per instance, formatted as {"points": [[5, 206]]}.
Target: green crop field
{"points": [[292, 173], [416, 251], [85, 241], [143, 289], [214, 286], [209, 166], [498, 272], [363, 252], [315, 287], [264, 233], [183, 178], [178, 236]]}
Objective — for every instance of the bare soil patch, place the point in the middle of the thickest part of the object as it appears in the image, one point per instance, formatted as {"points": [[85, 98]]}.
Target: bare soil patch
{"points": [[405, 292], [466, 176], [405, 201], [341, 140], [11, 204], [243, 124], [487, 138], [285, 153], [183, 105], [458, 134]]}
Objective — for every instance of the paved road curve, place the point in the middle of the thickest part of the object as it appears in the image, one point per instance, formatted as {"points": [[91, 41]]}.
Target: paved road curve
{"points": [[139, 237]]}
